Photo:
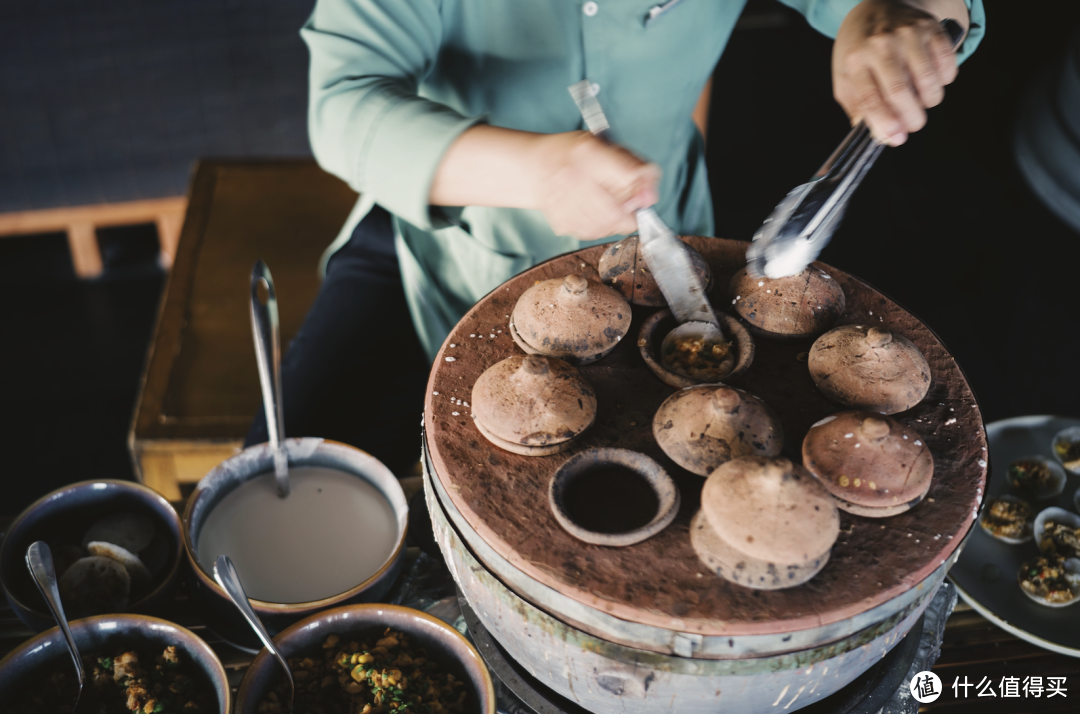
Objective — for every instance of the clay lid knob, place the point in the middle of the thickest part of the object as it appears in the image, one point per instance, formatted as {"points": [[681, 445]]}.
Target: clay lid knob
{"points": [[534, 364], [877, 337], [726, 400], [575, 285], [875, 429]]}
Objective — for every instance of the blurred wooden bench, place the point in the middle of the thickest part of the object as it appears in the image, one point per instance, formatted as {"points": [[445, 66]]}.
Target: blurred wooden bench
{"points": [[200, 387], [80, 223]]}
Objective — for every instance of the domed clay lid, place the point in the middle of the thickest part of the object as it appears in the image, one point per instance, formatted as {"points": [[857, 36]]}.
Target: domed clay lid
{"points": [[532, 401], [622, 267], [869, 460], [869, 368], [571, 318], [797, 306], [770, 509], [703, 427]]}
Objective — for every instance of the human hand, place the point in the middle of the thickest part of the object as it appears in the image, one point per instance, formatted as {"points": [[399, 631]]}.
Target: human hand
{"points": [[589, 189], [892, 60]]}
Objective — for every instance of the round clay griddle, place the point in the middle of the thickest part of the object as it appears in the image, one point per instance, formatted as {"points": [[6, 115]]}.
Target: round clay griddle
{"points": [[660, 582]]}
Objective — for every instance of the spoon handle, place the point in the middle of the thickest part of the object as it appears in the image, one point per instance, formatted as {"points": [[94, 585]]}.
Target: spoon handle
{"points": [[267, 334], [40, 562], [226, 577]]}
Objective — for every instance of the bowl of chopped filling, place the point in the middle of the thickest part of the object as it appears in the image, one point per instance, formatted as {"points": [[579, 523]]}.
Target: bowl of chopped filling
{"points": [[1066, 447], [1036, 477], [370, 659], [1057, 532], [133, 663], [691, 360], [1051, 580], [1009, 519]]}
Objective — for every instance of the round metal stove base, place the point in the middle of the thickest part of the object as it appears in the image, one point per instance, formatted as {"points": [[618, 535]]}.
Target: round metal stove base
{"points": [[867, 694]]}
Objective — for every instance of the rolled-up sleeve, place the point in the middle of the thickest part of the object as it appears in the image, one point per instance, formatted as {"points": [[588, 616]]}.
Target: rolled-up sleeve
{"points": [[825, 16], [366, 122]]}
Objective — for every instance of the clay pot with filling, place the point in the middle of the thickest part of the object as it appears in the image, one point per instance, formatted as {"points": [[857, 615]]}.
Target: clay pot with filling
{"points": [[801, 305], [869, 368], [657, 326], [532, 405], [572, 318], [622, 267], [873, 465], [764, 523], [702, 427]]}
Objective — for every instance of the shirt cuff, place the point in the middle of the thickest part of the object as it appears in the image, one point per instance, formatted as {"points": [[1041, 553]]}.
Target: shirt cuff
{"points": [[404, 152]]}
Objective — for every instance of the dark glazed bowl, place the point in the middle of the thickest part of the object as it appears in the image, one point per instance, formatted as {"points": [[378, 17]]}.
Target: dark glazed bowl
{"points": [[47, 651], [444, 644], [65, 515], [210, 601], [659, 324]]}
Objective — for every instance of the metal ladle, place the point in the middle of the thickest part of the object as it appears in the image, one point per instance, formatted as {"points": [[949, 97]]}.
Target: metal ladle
{"points": [[265, 329], [226, 576], [40, 563]]}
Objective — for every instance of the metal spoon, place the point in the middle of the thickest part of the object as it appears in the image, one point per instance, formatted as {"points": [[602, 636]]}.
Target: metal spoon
{"points": [[40, 563], [226, 577], [264, 327]]}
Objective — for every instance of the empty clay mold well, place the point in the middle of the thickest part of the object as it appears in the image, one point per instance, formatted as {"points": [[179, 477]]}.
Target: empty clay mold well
{"points": [[657, 326], [613, 497]]}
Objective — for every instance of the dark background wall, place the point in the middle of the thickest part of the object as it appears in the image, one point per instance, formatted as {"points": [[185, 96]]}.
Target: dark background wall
{"points": [[114, 99]]}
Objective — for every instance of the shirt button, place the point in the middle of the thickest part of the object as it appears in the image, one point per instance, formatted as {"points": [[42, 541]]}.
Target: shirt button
{"points": [[590, 8], [594, 88]]}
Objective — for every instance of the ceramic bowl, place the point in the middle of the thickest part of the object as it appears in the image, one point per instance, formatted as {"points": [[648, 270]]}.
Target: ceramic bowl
{"points": [[443, 643], [1006, 539], [1059, 515], [209, 599], [64, 516], [659, 324], [1072, 574], [1054, 486], [1060, 447], [47, 651]]}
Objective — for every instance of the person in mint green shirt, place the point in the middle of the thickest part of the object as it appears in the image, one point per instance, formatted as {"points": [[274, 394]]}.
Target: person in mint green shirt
{"points": [[452, 120]]}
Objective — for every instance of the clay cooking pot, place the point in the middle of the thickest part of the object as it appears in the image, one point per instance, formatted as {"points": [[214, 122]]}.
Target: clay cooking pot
{"points": [[797, 306], [622, 267]]}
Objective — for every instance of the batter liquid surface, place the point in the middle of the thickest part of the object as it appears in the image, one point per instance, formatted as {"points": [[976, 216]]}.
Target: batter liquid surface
{"points": [[660, 581], [333, 532]]}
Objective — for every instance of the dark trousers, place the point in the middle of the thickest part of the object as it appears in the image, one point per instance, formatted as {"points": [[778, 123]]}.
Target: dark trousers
{"points": [[355, 372]]}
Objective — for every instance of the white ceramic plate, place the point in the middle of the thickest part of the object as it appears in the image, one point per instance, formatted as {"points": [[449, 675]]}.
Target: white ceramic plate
{"points": [[985, 574]]}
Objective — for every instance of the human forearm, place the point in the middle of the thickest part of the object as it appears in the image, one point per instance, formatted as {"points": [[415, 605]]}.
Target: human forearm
{"points": [[585, 187]]}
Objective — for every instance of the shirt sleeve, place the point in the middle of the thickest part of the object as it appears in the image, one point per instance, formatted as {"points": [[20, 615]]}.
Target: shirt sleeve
{"points": [[366, 122], [825, 17]]}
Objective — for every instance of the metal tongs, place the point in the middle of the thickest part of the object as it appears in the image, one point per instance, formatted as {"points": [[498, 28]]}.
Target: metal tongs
{"points": [[803, 223]]}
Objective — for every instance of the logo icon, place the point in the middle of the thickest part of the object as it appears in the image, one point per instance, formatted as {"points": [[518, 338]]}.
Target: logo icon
{"points": [[925, 687]]}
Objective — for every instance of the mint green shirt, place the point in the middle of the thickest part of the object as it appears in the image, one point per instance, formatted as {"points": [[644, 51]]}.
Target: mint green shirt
{"points": [[394, 82]]}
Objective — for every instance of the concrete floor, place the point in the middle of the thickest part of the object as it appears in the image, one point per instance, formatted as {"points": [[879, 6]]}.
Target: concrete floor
{"points": [[944, 225]]}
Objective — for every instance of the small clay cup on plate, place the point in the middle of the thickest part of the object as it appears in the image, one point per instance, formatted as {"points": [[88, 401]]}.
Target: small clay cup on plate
{"points": [[46, 652], [65, 516], [622, 267], [613, 497], [873, 465], [532, 405], [794, 307], [1071, 571], [1066, 448], [444, 645], [572, 318], [869, 368], [764, 523], [657, 326], [702, 427], [1051, 488], [1060, 516], [986, 520]]}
